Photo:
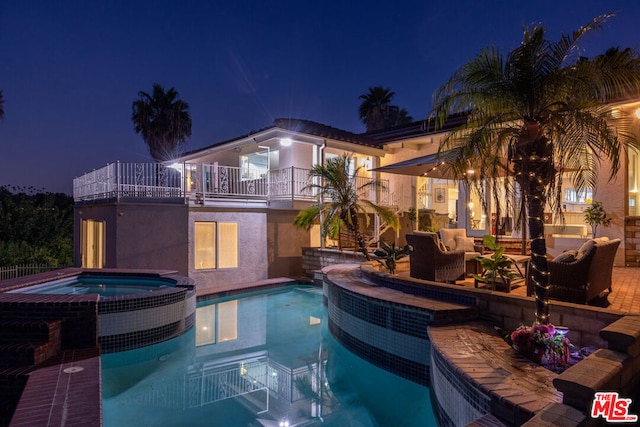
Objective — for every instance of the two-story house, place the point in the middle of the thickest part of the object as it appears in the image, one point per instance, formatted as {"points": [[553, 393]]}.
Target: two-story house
{"points": [[223, 214]]}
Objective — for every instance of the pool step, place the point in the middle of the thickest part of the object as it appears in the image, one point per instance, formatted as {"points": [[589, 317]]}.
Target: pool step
{"points": [[29, 342], [15, 331]]}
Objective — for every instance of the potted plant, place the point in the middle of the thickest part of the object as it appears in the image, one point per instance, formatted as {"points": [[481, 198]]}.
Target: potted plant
{"points": [[595, 215], [496, 268], [388, 254]]}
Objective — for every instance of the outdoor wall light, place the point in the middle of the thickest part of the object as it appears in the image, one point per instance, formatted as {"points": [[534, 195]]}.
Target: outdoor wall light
{"points": [[285, 142], [638, 113]]}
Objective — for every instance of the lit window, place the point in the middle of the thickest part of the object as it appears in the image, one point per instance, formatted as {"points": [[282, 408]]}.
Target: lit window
{"points": [[204, 245], [215, 245], [228, 244], [228, 321]]}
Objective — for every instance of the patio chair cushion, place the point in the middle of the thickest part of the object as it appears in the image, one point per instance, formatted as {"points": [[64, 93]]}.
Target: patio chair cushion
{"points": [[568, 256], [586, 247], [465, 244], [449, 237]]}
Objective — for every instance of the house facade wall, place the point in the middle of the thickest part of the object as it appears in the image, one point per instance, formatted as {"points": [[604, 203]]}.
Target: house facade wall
{"points": [[138, 235], [252, 247], [285, 243]]}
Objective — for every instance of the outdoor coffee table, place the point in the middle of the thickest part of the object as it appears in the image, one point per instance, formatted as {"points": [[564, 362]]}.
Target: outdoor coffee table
{"points": [[521, 269]]}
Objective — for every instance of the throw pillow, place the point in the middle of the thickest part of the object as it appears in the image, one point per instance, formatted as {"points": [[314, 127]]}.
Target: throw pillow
{"points": [[442, 246], [568, 256], [601, 240], [465, 244], [450, 243], [586, 246]]}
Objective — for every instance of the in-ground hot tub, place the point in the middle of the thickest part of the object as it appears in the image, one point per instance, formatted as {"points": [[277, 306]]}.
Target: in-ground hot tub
{"points": [[133, 309], [100, 284]]}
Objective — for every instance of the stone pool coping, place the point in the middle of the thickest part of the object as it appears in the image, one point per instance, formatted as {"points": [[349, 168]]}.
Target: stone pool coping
{"points": [[53, 397], [484, 365], [517, 388]]}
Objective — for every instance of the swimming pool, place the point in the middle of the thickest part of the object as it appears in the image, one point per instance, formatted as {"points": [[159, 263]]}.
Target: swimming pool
{"points": [[259, 359], [105, 286]]}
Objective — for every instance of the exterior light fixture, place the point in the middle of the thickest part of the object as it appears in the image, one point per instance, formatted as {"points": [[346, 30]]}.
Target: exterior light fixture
{"points": [[638, 113], [285, 142]]}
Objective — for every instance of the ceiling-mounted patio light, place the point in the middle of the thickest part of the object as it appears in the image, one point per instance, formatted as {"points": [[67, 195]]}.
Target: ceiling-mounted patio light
{"points": [[285, 142]]}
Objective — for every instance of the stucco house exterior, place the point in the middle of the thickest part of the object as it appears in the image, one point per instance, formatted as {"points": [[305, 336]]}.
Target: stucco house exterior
{"points": [[223, 214]]}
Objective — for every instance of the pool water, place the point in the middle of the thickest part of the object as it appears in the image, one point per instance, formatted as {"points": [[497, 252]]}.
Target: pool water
{"points": [[261, 359], [100, 285]]}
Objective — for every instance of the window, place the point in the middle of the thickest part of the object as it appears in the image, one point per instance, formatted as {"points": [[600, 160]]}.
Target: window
{"points": [[209, 238], [93, 243]]}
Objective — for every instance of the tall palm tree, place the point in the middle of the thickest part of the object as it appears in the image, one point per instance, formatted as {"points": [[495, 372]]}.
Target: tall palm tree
{"points": [[1, 106], [537, 112], [163, 120], [374, 107], [340, 203]]}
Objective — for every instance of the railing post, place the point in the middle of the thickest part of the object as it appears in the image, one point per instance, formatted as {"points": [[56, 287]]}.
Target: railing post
{"points": [[293, 190], [118, 180]]}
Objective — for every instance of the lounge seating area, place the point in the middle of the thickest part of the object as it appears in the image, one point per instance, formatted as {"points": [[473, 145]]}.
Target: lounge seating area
{"points": [[581, 275], [456, 239]]}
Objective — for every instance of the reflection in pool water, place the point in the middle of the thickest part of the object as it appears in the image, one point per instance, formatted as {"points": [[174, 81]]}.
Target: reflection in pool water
{"points": [[262, 359]]}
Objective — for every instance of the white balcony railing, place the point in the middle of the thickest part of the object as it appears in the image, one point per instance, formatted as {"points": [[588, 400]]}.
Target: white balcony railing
{"points": [[200, 180]]}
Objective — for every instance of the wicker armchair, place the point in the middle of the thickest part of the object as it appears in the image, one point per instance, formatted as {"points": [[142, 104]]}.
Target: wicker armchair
{"points": [[585, 277], [428, 262]]}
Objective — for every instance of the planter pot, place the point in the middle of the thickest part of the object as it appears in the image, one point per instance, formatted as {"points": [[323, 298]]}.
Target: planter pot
{"points": [[499, 285]]}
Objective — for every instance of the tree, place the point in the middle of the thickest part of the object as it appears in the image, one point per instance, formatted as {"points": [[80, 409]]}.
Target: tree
{"points": [[535, 113], [162, 120], [1, 106], [376, 111], [35, 227], [340, 203]]}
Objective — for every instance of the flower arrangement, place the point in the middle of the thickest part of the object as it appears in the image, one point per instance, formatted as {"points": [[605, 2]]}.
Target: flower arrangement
{"points": [[540, 342]]}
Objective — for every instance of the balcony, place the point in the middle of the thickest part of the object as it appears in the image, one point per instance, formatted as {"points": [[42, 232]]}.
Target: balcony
{"points": [[201, 183]]}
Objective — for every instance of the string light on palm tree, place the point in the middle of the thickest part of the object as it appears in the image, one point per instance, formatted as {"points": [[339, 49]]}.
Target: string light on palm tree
{"points": [[550, 112]]}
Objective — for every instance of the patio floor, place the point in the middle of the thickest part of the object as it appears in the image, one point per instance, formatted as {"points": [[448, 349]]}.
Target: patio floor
{"points": [[625, 296]]}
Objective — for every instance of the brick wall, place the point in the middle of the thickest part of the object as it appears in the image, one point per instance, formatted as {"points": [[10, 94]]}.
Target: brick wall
{"points": [[79, 314], [632, 241], [314, 259]]}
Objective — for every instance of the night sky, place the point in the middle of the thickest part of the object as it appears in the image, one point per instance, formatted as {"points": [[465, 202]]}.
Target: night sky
{"points": [[69, 70]]}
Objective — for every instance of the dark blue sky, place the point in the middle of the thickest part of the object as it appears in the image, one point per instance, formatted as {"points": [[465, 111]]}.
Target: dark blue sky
{"points": [[70, 70]]}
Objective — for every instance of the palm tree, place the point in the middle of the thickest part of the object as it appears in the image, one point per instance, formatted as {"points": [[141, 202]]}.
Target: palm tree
{"points": [[163, 120], [374, 107], [1, 106], [396, 116], [535, 113], [340, 203]]}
